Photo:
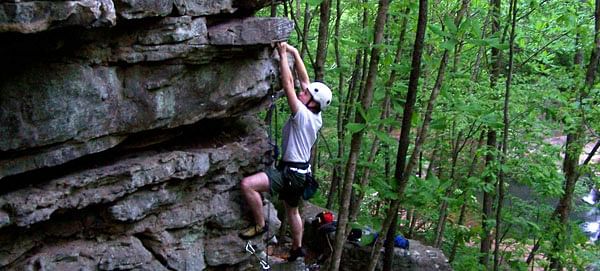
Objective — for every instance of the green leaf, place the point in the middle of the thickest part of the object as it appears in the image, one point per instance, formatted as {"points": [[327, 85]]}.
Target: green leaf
{"points": [[385, 137], [449, 22], [362, 112], [355, 127], [439, 123], [357, 187], [313, 3], [535, 226], [492, 120], [373, 114], [503, 46], [435, 29], [464, 26], [478, 42], [475, 28], [448, 44]]}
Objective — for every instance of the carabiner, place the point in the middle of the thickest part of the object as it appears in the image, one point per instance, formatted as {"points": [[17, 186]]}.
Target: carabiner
{"points": [[249, 248], [265, 265]]}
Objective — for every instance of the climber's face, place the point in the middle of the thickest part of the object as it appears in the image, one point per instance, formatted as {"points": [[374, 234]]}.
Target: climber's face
{"points": [[305, 97]]}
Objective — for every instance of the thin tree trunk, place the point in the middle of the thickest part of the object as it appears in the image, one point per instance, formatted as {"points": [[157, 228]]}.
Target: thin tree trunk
{"points": [[273, 9], [440, 77], [422, 133], [302, 33], [501, 176], [463, 208], [413, 223], [342, 102], [574, 146], [306, 26], [388, 256], [443, 214], [355, 144], [487, 208], [344, 111], [487, 214], [364, 181], [323, 39], [321, 57], [411, 95]]}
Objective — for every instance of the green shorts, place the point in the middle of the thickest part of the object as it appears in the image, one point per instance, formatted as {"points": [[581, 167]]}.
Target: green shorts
{"points": [[288, 184]]}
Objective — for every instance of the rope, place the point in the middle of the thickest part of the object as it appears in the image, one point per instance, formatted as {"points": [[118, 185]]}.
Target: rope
{"points": [[269, 118], [275, 155]]}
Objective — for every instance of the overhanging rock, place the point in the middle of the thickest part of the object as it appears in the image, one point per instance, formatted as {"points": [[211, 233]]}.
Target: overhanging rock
{"points": [[126, 127]]}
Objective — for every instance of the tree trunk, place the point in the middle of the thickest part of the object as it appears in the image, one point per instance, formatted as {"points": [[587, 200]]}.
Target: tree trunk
{"points": [[574, 146], [443, 214], [487, 214], [463, 209], [323, 40], [302, 33], [440, 78], [340, 96], [355, 143], [305, 28], [487, 209], [364, 181], [344, 115], [321, 57], [388, 256], [411, 95], [501, 176]]}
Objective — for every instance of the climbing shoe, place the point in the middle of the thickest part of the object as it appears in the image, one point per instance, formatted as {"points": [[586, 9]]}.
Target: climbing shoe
{"points": [[253, 231], [296, 253]]}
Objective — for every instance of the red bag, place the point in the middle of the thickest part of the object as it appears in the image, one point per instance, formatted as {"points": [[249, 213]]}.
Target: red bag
{"points": [[325, 217]]}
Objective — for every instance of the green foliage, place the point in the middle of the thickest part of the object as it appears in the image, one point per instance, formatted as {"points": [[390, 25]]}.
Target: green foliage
{"points": [[544, 104]]}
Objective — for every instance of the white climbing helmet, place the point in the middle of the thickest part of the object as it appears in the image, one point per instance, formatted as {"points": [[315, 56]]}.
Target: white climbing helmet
{"points": [[320, 93]]}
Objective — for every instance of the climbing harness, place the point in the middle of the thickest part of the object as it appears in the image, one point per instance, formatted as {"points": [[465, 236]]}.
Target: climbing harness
{"points": [[264, 264]]}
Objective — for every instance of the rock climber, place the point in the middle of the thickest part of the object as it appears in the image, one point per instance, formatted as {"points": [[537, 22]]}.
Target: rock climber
{"points": [[299, 135]]}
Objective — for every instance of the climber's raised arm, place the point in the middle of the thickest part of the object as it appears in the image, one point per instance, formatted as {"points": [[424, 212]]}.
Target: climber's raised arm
{"points": [[287, 80], [300, 68]]}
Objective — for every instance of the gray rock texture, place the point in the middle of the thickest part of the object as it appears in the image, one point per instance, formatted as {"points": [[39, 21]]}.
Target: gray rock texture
{"points": [[37, 16], [126, 126], [110, 83], [417, 258]]}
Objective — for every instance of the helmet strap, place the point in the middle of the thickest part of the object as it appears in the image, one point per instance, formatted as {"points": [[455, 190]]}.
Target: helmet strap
{"points": [[315, 109]]}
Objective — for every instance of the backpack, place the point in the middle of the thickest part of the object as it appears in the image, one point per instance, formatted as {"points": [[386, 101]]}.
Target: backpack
{"points": [[310, 187], [325, 217], [401, 242], [355, 235]]}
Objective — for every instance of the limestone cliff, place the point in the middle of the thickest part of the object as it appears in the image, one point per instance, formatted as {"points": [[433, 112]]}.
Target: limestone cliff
{"points": [[125, 128]]}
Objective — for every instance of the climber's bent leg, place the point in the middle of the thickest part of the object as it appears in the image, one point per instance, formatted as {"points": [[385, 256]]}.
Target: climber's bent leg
{"points": [[251, 187]]}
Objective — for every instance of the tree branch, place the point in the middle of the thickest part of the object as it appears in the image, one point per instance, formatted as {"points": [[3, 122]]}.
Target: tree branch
{"points": [[542, 48], [592, 153]]}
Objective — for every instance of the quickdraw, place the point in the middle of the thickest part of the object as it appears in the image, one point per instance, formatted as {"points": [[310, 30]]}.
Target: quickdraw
{"points": [[250, 249]]}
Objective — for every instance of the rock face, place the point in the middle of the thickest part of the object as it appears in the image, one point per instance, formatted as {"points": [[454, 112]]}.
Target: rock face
{"points": [[417, 258], [125, 128]]}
